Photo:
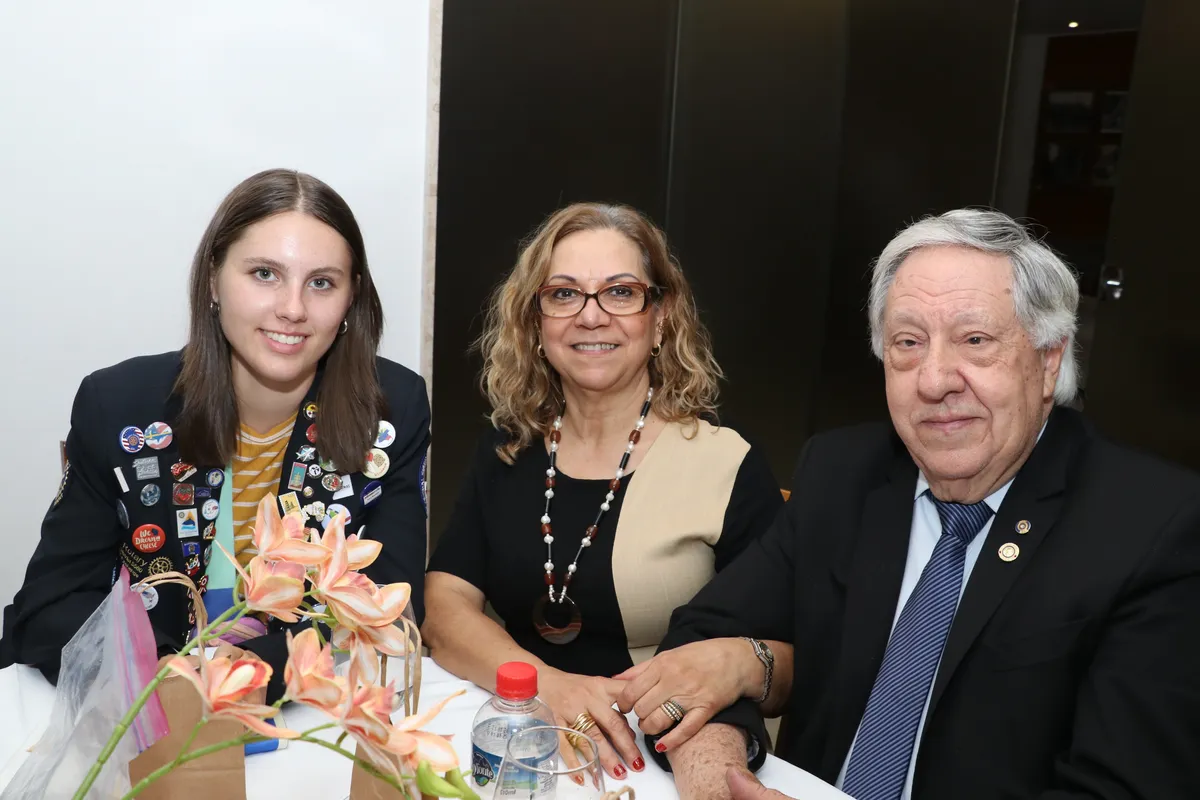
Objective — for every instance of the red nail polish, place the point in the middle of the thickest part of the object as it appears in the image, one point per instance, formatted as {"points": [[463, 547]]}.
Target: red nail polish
{"points": [[638, 764], [619, 771], [578, 779], [660, 747]]}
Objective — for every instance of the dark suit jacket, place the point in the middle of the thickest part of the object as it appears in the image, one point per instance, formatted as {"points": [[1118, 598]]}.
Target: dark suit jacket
{"points": [[1072, 671], [85, 540]]}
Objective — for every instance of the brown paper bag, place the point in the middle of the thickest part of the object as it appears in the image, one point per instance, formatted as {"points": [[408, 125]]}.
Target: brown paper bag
{"points": [[365, 786], [221, 774]]}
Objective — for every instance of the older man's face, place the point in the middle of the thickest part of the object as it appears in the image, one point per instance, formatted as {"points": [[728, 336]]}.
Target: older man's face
{"points": [[966, 389]]}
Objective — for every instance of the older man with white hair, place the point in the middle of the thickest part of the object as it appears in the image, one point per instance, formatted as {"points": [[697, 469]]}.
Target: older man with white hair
{"points": [[987, 599]]}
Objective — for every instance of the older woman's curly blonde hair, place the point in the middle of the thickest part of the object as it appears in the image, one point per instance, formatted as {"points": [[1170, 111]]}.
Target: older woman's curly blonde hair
{"points": [[525, 392]]}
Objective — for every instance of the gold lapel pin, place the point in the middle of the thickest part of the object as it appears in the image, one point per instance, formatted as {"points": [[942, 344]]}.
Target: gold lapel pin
{"points": [[1024, 527], [1009, 552]]}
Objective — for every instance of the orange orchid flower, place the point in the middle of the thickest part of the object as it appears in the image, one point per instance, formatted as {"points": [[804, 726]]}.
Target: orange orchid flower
{"points": [[415, 745], [367, 717], [223, 685], [275, 587], [283, 538], [361, 553], [348, 595], [309, 674], [365, 641]]}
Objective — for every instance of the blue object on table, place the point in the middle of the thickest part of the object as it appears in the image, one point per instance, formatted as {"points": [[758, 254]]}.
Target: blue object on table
{"points": [[264, 746]]}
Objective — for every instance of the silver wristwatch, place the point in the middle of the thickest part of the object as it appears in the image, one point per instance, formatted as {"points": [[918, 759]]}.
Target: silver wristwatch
{"points": [[768, 661]]}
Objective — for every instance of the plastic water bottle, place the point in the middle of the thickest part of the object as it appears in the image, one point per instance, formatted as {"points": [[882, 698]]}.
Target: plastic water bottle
{"points": [[515, 707]]}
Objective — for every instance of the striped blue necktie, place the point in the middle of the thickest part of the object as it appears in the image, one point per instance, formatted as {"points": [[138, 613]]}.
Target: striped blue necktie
{"points": [[883, 750]]}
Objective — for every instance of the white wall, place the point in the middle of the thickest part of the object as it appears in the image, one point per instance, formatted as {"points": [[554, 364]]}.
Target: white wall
{"points": [[122, 125]]}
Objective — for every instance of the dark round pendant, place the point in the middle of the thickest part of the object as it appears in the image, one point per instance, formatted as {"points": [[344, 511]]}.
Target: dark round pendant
{"points": [[557, 623]]}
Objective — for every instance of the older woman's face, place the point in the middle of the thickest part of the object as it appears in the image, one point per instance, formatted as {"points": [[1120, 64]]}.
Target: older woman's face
{"points": [[594, 350], [967, 390]]}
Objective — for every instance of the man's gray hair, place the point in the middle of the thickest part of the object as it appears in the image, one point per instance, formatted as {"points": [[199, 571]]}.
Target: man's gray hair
{"points": [[1045, 292]]}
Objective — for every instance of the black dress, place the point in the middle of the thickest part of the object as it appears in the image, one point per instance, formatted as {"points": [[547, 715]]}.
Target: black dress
{"points": [[693, 504]]}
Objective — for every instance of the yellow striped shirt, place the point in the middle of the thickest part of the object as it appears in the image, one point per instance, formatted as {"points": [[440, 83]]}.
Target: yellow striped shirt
{"points": [[257, 468]]}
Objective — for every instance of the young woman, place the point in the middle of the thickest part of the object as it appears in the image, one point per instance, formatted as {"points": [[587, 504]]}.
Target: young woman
{"points": [[278, 390]]}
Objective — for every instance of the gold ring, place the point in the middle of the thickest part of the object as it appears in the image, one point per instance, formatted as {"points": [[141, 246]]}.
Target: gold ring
{"points": [[583, 723], [673, 710]]}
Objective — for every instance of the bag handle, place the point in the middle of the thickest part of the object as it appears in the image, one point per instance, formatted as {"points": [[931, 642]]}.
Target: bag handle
{"points": [[185, 582]]}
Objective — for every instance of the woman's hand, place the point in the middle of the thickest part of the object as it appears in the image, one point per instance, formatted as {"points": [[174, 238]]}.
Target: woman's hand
{"points": [[571, 695], [702, 677]]}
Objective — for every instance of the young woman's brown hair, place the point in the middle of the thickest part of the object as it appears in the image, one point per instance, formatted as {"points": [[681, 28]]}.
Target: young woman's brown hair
{"points": [[349, 396]]}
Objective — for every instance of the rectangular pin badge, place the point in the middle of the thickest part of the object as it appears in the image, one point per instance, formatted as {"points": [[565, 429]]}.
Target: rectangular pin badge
{"points": [[296, 478], [346, 490], [290, 503], [186, 523], [121, 479]]}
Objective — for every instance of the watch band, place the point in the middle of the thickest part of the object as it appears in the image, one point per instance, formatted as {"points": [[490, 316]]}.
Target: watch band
{"points": [[768, 661]]}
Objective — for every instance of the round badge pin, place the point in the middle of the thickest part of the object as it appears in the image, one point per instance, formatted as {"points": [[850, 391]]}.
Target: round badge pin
{"points": [[132, 439], [308, 491], [158, 435], [210, 509], [1009, 552], [377, 463], [207, 555], [151, 494], [327, 465], [371, 493], [334, 512], [1024, 527], [311, 433], [314, 470], [148, 538], [310, 410], [331, 482], [149, 597], [215, 477], [122, 514], [387, 434]]}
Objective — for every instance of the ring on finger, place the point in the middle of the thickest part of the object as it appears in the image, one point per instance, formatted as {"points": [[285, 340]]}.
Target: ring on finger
{"points": [[673, 710]]}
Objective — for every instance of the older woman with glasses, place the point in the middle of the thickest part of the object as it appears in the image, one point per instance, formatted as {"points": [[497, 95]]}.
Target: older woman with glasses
{"points": [[607, 492]]}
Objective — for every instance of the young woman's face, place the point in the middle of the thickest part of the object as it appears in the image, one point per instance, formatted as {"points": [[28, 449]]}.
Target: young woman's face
{"points": [[283, 290]]}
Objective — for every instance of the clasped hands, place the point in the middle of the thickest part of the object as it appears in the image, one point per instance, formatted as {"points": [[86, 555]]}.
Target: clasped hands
{"points": [[702, 678]]}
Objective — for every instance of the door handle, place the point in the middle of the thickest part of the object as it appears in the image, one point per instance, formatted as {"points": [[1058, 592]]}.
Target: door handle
{"points": [[1112, 283]]}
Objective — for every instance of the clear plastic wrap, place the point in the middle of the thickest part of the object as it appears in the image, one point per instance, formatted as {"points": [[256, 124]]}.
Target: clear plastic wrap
{"points": [[105, 667]]}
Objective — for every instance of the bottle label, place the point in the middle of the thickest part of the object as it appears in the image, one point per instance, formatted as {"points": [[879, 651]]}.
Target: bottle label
{"points": [[515, 781], [484, 766]]}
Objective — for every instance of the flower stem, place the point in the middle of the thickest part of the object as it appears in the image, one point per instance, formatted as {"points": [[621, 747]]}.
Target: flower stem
{"points": [[139, 701], [184, 757], [367, 766]]}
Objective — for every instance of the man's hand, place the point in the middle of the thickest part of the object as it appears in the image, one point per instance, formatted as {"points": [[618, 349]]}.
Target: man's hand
{"points": [[744, 786], [703, 677]]}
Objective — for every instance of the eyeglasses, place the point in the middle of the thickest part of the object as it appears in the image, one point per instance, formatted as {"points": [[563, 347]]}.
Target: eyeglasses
{"points": [[618, 299]]}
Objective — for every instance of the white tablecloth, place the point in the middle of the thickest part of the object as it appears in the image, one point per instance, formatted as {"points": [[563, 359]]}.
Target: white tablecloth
{"points": [[301, 771]]}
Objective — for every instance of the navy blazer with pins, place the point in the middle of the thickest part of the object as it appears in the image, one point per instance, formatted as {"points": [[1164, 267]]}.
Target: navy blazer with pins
{"points": [[103, 517]]}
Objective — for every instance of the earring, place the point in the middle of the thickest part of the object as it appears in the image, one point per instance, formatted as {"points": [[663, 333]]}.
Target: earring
{"points": [[655, 351], [345, 325], [214, 307], [541, 353]]}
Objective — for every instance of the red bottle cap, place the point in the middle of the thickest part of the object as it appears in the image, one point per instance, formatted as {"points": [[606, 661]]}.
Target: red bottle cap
{"points": [[516, 680]]}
